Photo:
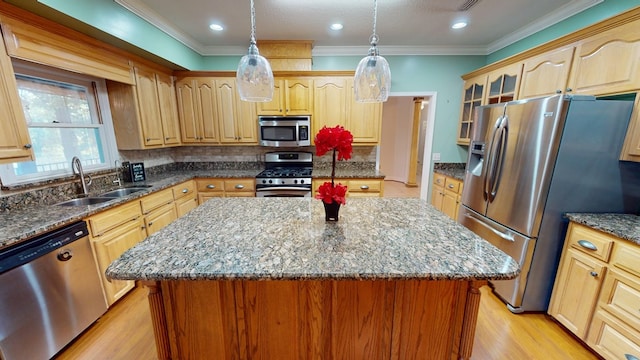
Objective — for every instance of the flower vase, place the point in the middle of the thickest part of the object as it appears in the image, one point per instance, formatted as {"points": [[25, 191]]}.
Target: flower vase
{"points": [[331, 211]]}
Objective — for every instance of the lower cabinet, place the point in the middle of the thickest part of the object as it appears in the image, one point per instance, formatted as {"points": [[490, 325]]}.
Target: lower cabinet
{"points": [[158, 210], [185, 197], [220, 187], [597, 292], [355, 187], [112, 233], [446, 194]]}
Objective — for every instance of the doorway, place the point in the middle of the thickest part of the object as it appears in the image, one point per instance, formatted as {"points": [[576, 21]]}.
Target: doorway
{"points": [[407, 138]]}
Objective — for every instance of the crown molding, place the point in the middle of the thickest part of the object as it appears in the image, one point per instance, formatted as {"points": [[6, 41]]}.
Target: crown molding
{"points": [[557, 16]]}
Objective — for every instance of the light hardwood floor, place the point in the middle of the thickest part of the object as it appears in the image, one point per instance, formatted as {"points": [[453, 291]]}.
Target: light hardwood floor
{"points": [[125, 331]]}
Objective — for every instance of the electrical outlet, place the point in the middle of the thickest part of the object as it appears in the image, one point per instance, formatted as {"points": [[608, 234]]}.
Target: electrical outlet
{"points": [[435, 156]]}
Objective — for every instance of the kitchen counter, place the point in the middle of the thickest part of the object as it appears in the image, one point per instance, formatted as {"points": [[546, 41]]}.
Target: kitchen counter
{"points": [[254, 277], [20, 225], [624, 226], [452, 170]]}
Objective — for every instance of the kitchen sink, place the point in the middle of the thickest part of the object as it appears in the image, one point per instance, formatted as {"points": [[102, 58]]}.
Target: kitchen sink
{"points": [[122, 192], [84, 201]]}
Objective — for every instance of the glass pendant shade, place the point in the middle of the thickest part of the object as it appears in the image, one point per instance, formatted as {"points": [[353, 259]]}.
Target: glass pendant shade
{"points": [[254, 77], [372, 81]]}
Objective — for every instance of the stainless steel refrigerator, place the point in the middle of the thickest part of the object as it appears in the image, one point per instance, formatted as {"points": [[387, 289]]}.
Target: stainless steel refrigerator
{"points": [[529, 162]]}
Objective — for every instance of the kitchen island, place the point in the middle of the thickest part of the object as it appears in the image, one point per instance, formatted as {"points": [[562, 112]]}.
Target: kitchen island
{"points": [[266, 278]]}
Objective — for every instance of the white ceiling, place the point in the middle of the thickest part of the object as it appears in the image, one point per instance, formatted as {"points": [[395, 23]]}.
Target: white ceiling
{"points": [[405, 27]]}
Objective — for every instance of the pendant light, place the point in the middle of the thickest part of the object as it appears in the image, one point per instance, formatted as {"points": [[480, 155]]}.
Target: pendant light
{"points": [[372, 81], [254, 77]]}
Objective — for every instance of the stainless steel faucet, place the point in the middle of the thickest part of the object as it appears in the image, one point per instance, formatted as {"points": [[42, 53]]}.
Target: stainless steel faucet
{"points": [[76, 167], [117, 180]]}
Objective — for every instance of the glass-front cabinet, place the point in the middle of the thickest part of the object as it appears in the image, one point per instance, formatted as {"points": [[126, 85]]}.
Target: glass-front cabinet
{"points": [[504, 84], [472, 97]]}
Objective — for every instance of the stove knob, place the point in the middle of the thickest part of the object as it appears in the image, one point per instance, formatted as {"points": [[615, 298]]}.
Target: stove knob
{"points": [[295, 181], [302, 181], [264, 181], [270, 181]]}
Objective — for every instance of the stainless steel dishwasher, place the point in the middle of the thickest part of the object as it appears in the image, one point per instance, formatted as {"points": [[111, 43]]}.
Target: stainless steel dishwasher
{"points": [[49, 293]]}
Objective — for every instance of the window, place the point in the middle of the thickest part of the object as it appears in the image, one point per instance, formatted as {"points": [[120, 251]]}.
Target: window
{"points": [[65, 119]]}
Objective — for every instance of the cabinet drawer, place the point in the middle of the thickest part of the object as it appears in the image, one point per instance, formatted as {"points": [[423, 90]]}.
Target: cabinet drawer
{"points": [[240, 185], [364, 186], [107, 220], [208, 185], [590, 241], [626, 256], [612, 339], [184, 189], [439, 179], [453, 185], [159, 218], [621, 296], [155, 200]]}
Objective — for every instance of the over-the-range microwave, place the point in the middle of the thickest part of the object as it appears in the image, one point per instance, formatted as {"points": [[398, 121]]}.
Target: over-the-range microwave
{"points": [[284, 131]]}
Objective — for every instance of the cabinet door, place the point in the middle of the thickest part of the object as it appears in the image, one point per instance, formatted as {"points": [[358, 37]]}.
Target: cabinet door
{"points": [[226, 110], [364, 120], [15, 144], [298, 96], [503, 84], [186, 204], [168, 109], [109, 247], [449, 202], [188, 113], [546, 74], [148, 106], [276, 105], [472, 96], [608, 62], [631, 148], [208, 112], [329, 102], [576, 291], [160, 218]]}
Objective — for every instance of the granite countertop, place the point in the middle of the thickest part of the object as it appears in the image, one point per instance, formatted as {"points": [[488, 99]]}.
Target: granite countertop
{"points": [[288, 238], [456, 173], [21, 225], [624, 226]]}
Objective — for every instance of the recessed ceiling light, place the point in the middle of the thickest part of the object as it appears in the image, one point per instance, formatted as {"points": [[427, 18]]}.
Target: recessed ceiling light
{"points": [[216, 27], [336, 26], [459, 25]]}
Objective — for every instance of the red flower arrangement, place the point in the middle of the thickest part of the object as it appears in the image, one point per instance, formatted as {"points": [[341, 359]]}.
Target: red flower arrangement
{"points": [[339, 140]]}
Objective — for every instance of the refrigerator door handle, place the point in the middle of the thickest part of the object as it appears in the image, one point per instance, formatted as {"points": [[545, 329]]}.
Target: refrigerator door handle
{"points": [[488, 176], [500, 153], [503, 235]]}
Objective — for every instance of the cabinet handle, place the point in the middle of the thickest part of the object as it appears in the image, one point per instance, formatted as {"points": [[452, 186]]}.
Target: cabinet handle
{"points": [[210, 186], [593, 273], [438, 181], [184, 191], [587, 245], [558, 91], [239, 186], [569, 89], [151, 223], [364, 187], [630, 357], [28, 146], [451, 186]]}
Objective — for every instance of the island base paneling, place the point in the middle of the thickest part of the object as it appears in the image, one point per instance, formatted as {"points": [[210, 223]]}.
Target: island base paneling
{"points": [[314, 319]]}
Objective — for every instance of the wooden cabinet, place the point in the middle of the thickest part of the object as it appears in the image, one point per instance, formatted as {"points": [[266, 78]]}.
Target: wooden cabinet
{"points": [[334, 104], [185, 197], [608, 63], [503, 84], [356, 187], [219, 187], [446, 194], [15, 144], [472, 96], [597, 292], [236, 118], [631, 148], [546, 74], [292, 96], [112, 233], [158, 210], [144, 114], [197, 110]]}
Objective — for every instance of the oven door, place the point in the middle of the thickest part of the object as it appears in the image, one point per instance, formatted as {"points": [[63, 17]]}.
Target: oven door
{"points": [[283, 192]]}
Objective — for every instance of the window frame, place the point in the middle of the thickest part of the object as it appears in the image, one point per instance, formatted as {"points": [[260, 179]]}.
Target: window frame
{"points": [[101, 110]]}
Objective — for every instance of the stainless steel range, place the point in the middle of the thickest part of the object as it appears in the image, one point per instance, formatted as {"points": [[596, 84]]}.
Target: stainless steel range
{"points": [[286, 174]]}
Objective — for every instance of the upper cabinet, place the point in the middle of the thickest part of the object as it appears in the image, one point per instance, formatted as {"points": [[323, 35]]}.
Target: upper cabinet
{"points": [[631, 148], [292, 96], [237, 119], [472, 97], [15, 144], [197, 110], [334, 104], [503, 84], [607, 63], [144, 114], [546, 74]]}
